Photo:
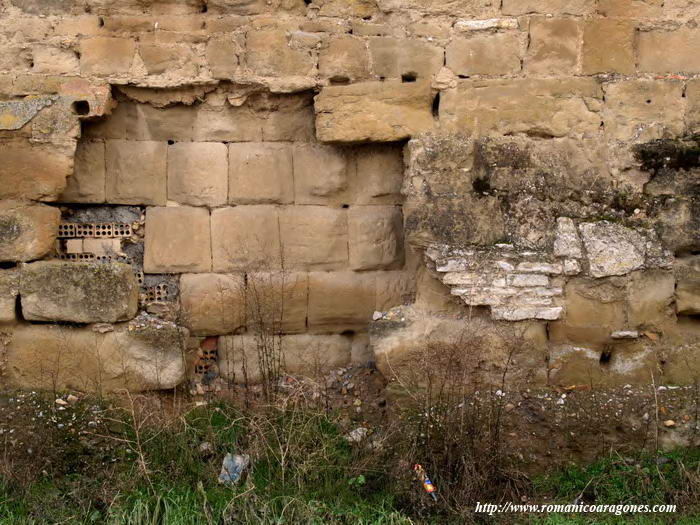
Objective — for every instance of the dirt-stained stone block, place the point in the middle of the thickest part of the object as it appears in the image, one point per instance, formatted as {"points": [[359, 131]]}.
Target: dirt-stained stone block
{"points": [[302, 354], [375, 237], [277, 301], [161, 58], [269, 54], [344, 58], [234, 124], [136, 172], [27, 231], [320, 174], [245, 237], [33, 171], [146, 122], [212, 304], [78, 292], [692, 93], [106, 56], [608, 46], [650, 296], [687, 270], [654, 56], [554, 46], [314, 237], [485, 54], [136, 356], [9, 289], [87, 184], [397, 57], [198, 173], [378, 175], [394, 289], [628, 8], [260, 173], [177, 240], [548, 7], [223, 56], [340, 301], [373, 111]]}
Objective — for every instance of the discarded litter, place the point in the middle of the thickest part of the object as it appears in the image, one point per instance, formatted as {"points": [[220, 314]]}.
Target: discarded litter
{"points": [[427, 484], [232, 468]]}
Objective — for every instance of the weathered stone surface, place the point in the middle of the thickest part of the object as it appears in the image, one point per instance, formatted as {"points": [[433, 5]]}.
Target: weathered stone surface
{"points": [[223, 56], [314, 237], [177, 240], [87, 184], [394, 289], [623, 8], [198, 173], [27, 231], [302, 354], [567, 242], [277, 301], [246, 237], [687, 272], [653, 52], [212, 304], [650, 298], [136, 172], [106, 56], [260, 173], [9, 289], [375, 237], [485, 54], [554, 45], [344, 58], [379, 175], [554, 7], [78, 292], [33, 171], [612, 249], [373, 111], [269, 54], [320, 174], [237, 124], [340, 301], [397, 57], [135, 356], [608, 46]]}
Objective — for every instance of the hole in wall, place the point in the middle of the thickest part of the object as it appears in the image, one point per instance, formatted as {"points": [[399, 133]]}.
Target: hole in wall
{"points": [[436, 106], [339, 80], [81, 107], [409, 77], [171, 142], [101, 22], [605, 356], [648, 101]]}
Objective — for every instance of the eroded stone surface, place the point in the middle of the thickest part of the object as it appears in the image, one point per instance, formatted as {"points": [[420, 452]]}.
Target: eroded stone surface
{"points": [[27, 231]]}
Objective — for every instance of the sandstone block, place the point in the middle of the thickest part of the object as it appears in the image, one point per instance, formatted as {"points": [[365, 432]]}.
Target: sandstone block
{"points": [[269, 54], [320, 174], [234, 124], [394, 289], [399, 57], [136, 172], [260, 173], [9, 289], [33, 171], [554, 46], [567, 242], [291, 120], [106, 56], [246, 237], [608, 46], [484, 54], [198, 173], [344, 59], [543, 107], [302, 354], [373, 111], [212, 304], [692, 92], [177, 240], [146, 122], [78, 292], [277, 302], [687, 270], [650, 295], [161, 58], [625, 8], [27, 231], [643, 109], [553, 7], [612, 249], [147, 357], [222, 56], [375, 237], [53, 60], [653, 51], [378, 175], [314, 237], [87, 184], [340, 301]]}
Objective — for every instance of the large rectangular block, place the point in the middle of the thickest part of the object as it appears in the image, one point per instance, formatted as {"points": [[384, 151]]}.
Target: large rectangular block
{"points": [[488, 54], [554, 46], [314, 237], [33, 171], [177, 240], [246, 237], [78, 292], [548, 7], [146, 122], [235, 124], [375, 237], [87, 184], [212, 304], [401, 57], [654, 55], [378, 175], [136, 172], [320, 174], [277, 302], [344, 58], [373, 111], [288, 117], [260, 173], [106, 56], [340, 301], [269, 54], [608, 46], [198, 173], [27, 231]]}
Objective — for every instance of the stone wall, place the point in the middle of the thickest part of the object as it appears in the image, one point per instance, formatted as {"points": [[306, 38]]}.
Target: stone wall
{"points": [[536, 161]]}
